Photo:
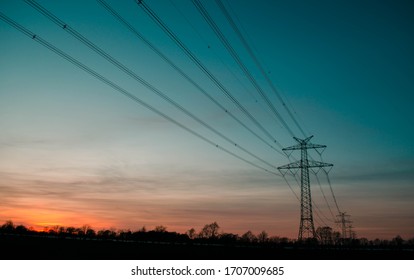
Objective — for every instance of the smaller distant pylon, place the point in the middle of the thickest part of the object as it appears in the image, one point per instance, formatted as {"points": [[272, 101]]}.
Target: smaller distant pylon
{"points": [[346, 225]]}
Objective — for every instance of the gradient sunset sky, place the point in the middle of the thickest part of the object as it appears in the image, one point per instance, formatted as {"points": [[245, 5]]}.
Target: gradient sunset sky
{"points": [[74, 151]]}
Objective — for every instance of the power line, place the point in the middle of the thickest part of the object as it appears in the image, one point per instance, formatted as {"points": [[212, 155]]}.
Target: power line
{"points": [[290, 187], [294, 175], [101, 52], [257, 62], [330, 185], [332, 192], [202, 67], [239, 62], [317, 210], [234, 54], [320, 211], [120, 89], [180, 71], [131, 96], [324, 196], [210, 47], [133, 75], [298, 183]]}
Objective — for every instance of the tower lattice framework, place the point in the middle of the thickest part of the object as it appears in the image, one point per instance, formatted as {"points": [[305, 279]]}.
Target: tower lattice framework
{"points": [[345, 225], [307, 227]]}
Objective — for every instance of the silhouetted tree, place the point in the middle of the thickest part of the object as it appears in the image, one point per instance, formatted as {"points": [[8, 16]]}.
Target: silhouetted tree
{"points": [[20, 229], [363, 241], [90, 233], [85, 228], [52, 230], [263, 237], [397, 241], [376, 242], [79, 232], [61, 230], [160, 229], [125, 234], [248, 237], [55, 229], [210, 231], [70, 230], [210, 234], [7, 227], [191, 233], [325, 235], [336, 237], [107, 234]]}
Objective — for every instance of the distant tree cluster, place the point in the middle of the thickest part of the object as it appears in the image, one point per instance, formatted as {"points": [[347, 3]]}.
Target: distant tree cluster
{"points": [[208, 234]]}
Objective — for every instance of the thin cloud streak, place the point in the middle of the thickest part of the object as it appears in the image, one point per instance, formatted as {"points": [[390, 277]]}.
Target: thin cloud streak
{"points": [[122, 202]]}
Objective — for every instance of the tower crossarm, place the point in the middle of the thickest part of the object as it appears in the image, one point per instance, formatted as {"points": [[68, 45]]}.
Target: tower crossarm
{"points": [[310, 164], [316, 164], [304, 144]]}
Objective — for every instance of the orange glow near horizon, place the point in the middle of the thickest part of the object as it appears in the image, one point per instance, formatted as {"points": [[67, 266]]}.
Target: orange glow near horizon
{"points": [[42, 220], [38, 219], [45, 213]]}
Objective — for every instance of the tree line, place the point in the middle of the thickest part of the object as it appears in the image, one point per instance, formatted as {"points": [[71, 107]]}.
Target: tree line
{"points": [[210, 233]]}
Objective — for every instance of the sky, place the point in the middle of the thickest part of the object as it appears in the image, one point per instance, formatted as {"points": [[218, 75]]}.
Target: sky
{"points": [[74, 151]]}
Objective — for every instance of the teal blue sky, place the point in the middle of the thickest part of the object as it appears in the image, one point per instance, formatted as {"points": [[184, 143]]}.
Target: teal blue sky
{"points": [[75, 151]]}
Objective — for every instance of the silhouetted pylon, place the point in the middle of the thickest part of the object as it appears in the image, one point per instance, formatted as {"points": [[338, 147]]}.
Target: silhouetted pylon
{"points": [[344, 221], [306, 228]]}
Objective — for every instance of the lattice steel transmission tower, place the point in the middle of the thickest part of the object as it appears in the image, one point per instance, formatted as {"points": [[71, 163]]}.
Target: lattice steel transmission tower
{"points": [[306, 228], [345, 224]]}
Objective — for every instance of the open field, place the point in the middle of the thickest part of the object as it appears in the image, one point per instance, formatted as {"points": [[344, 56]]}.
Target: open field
{"points": [[46, 248]]}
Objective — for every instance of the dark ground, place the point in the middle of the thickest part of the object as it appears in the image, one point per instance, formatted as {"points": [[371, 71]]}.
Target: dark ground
{"points": [[14, 247]]}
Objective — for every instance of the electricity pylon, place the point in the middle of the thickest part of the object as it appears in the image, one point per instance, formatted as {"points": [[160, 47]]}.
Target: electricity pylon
{"points": [[306, 228], [344, 221]]}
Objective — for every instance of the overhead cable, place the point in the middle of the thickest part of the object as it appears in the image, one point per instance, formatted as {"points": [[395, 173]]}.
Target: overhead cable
{"points": [[257, 62], [133, 75], [323, 194], [180, 71], [239, 62], [202, 67], [121, 90]]}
